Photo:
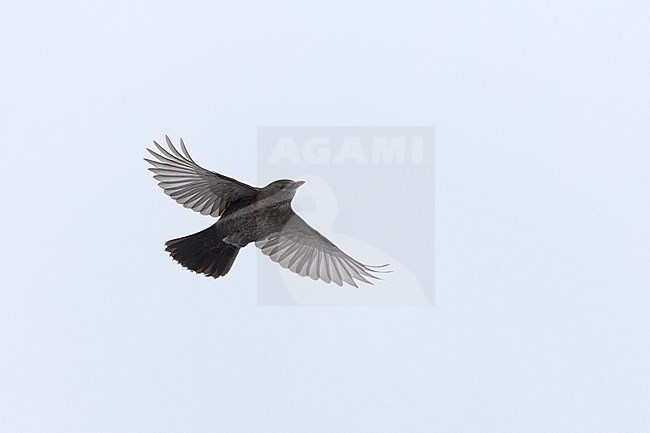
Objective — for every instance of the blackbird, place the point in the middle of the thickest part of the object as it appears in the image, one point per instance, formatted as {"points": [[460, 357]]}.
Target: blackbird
{"points": [[247, 214]]}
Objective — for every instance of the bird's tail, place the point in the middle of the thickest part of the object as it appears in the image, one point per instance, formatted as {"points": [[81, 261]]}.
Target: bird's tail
{"points": [[204, 253]]}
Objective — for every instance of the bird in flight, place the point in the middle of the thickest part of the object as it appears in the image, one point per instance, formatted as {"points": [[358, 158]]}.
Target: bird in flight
{"points": [[247, 214]]}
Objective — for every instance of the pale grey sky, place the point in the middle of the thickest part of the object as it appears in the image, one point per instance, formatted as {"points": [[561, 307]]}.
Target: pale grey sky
{"points": [[542, 153]]}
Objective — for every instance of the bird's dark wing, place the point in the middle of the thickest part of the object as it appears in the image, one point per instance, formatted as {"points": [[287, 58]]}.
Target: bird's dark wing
{"points": [[301, 249], [193, 186]]}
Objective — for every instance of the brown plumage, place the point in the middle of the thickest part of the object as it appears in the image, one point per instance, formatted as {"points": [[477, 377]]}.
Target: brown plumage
{"points": [[247, 214]]}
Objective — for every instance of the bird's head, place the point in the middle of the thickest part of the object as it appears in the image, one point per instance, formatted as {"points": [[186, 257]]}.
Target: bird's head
{"points": [[281, 190]]}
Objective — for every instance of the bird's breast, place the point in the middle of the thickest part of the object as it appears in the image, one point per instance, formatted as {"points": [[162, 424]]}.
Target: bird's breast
{"points": [[252, 222]]}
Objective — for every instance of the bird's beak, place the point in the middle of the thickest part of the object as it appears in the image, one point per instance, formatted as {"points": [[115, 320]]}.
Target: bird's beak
{"points": [[298, 184]]}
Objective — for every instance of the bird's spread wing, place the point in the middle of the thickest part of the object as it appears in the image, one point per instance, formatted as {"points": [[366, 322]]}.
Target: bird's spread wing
{"points": [[301, 249], [193, 186]]}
